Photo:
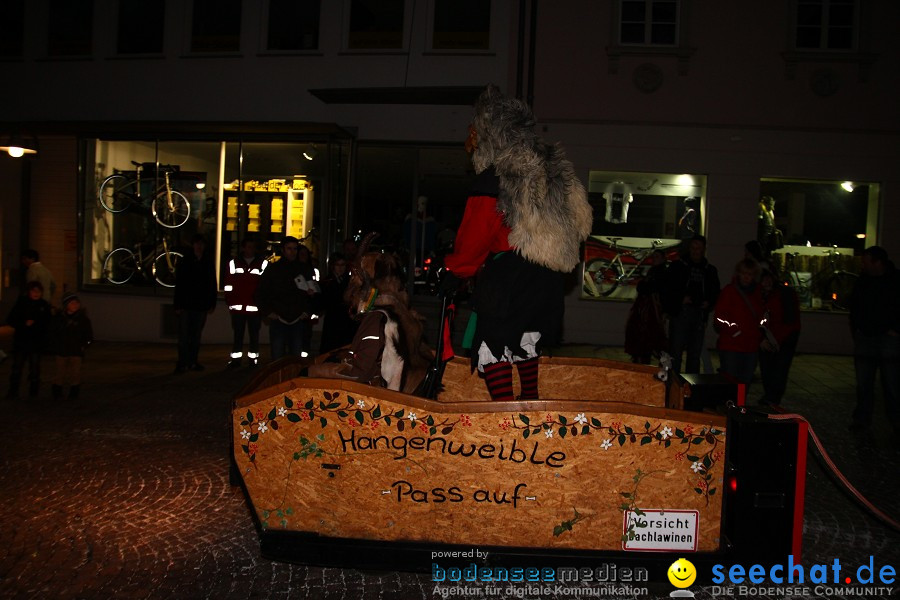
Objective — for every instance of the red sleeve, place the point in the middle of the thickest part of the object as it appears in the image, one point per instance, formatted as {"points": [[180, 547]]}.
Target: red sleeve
{"points": [[481, 232]]}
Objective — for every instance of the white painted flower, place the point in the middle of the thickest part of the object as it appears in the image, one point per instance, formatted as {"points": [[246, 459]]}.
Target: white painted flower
{"points": [[412, 417], [245, 434], [282, 411], [361, 403], [666, 432], [580, 418], [607, 444], [696, 467], [263, 428], [548, 433]]}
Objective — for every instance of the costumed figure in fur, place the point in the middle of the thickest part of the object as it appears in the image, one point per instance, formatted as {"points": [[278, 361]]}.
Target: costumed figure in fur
{"points": [[524, 221], [388, 348]]}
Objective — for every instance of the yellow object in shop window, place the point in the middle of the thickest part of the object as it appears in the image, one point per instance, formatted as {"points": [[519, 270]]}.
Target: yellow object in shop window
{"points": [[253, 225], [231, 225], [276, 228], [253, 211]]}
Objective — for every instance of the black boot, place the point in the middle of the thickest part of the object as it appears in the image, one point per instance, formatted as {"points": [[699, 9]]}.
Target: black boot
{"points": [[73, 392], [57, 391]]}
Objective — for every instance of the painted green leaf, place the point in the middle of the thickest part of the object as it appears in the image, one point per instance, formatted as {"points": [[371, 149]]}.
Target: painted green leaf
{"points": [[563, 431], [647, 425], [698, 440], [698, 490], [254, 437], [621, 439], [693, 458], [342, 414], [679, 433], [429, 420], [296, 456], [629, 430], [595, 422], [322, 405], [624, 507], [249, 416], [526, 433], [359, 417], [309, 404], [321, 437], [646, 440], [387, 420], [399, 414], [246, 449], [586, 430], [562, 419], [333, 405], [323, 421], [712, 491], [432, 431], [288, 402], [625, 494], [327, 395], [707, 462], [524, 419], [293, 417], [244, 423], [376, 413]]}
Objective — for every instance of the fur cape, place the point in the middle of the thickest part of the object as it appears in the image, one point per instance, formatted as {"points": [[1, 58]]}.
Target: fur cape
{"points": [[544, 202]]}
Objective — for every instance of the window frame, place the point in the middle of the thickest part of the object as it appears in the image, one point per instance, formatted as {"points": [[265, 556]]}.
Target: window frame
{"points": [[404, 34], [430, 32], [265, 34], [681, 50]]}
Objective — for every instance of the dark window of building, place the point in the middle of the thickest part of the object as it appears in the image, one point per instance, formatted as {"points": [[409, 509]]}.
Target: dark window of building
{"points": [[12, 28], [293, 25], [141, 26], [216, 26], [376, 24], [826, 24], [462, 24], [70, 27], [650, 22]]}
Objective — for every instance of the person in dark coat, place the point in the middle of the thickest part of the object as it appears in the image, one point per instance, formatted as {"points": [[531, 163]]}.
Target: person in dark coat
{"points": [[30, 317], [875, 323], [285, 299], [338, 327], [195, 298], [691, 290], [645, 332], [70, 334]]}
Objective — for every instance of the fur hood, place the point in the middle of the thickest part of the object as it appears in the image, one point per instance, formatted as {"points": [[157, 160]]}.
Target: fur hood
{"points": [[544, 202]]}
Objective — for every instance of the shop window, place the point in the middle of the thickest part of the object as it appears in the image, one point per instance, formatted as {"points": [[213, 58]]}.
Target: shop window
{"points": [[70, 27], [816, 232], [825, 24], [12, 28], [634, 214], [216, 26], [461, 25], [141, 26], [376, 25], [144, 203], [648, 22], [293, 25]]}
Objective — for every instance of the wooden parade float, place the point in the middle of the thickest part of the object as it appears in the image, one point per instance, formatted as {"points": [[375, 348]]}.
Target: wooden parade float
{"points": [[607, 463]]}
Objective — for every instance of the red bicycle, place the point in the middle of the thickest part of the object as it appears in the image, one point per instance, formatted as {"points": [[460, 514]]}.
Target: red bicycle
{"points": [[607, 265]]}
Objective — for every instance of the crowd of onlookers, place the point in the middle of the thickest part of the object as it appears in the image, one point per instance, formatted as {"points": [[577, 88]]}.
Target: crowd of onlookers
{"points": [[40, 328], [756, 316]]}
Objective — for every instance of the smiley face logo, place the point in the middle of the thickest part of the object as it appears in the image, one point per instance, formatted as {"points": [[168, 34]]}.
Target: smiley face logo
{"points": [[682, 573]]}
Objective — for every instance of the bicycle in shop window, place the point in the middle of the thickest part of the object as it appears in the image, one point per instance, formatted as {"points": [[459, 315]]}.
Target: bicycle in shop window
{"points": [[608, 265], [121, 191], [831, 283], [148, 262]]}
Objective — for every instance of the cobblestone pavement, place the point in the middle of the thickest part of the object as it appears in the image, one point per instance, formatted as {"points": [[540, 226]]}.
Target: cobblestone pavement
{"points": [[125, 493]]}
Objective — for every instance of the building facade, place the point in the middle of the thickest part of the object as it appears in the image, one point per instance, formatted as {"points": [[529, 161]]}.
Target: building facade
{"points": [[678, 115]]}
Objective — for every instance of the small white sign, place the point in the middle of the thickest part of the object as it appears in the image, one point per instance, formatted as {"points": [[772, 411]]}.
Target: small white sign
{"points": [[661, 530]]}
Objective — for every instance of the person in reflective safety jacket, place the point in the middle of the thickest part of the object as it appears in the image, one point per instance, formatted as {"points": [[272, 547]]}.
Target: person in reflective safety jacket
{"points": [[241, 283]]}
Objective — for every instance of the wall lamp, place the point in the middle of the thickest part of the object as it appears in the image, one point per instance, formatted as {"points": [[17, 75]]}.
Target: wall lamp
{"points": [[848, 186], [18, 146], [310, 152]]}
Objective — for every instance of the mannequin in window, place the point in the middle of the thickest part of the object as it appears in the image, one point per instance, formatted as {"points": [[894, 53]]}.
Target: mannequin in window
{"points": [[618, 199], [769, 236], [687, 224]]}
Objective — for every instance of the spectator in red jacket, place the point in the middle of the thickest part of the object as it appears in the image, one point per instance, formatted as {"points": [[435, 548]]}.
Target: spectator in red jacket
{"points": [[738, 313], [241, 282], [781, 316]]}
